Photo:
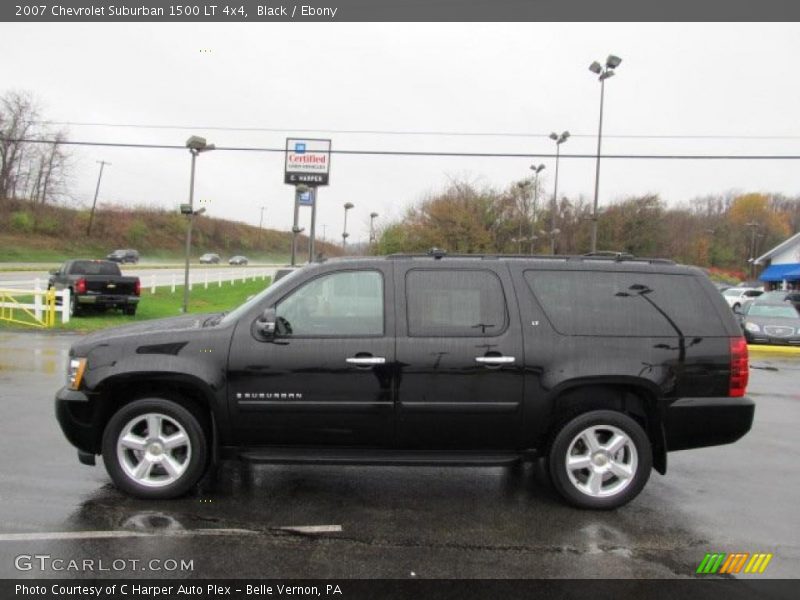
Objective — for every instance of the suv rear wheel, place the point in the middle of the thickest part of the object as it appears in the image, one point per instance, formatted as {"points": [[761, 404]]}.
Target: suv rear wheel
{"points": [[154, 448], [600, 459]]}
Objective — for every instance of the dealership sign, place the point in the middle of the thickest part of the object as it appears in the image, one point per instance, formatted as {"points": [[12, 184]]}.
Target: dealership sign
{"points": [[308, 161]]}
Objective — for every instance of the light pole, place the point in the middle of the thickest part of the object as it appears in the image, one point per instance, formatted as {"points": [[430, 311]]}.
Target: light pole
{"points": [[372, 217], [612, 62], [102, 164], [754, 229], [347, 206], [196, 145], [558, 139], [536, 170]]}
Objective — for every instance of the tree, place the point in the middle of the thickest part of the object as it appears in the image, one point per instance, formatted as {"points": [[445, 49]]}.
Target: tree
{"points": [[29, 168]]}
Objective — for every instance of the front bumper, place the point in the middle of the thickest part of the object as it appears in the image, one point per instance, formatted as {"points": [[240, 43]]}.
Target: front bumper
{"points": [[700, 422], [763, 338], [76, 414]]}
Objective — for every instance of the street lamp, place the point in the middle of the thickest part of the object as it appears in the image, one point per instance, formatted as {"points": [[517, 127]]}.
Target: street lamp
{"points": [[552, 233], [196, 145], [372, 217], [558, 139], [347, 206], [754, 229], [536, 170], [603, 73]]}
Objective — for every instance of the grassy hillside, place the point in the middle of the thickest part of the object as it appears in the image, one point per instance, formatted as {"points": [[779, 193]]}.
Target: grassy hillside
{"points": [[54, 233]]}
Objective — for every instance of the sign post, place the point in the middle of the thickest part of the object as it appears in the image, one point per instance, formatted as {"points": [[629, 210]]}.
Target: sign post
{"points": [[307, 166]]}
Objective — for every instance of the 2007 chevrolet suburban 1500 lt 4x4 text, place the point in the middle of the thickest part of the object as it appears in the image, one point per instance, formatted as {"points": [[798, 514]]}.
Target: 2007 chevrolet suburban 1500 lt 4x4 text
{"points": [[601, 365]]}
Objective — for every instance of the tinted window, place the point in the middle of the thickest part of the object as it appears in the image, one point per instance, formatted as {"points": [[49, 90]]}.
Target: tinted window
{"points": [[348, 303], [454, 303], [91, 267], [624, 304]]}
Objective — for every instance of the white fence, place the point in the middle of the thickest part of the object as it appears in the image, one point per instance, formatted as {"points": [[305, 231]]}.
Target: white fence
{"points": [[149, 282], [39, 313]]}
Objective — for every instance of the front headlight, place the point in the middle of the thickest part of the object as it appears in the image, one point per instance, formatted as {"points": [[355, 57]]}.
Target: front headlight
{"points": [[75, 372], [752, 327]]}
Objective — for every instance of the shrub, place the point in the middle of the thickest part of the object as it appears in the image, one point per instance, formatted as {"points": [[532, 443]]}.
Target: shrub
{"points": [[22, 221]]}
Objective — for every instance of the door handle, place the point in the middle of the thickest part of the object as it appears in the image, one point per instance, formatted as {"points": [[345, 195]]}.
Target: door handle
{"points": [[366, 360], [494, 360]]}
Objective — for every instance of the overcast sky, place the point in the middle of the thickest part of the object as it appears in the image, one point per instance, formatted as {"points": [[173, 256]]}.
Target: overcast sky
{"points": [[675, 79]]}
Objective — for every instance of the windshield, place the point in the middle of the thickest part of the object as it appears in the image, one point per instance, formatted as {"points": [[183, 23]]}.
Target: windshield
{"points": [[773, 311], [94, 267], [255, 300]]}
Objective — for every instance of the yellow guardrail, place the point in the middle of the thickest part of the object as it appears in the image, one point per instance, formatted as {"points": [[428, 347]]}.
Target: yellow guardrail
{"points": [[764, 349], [40, 313]]}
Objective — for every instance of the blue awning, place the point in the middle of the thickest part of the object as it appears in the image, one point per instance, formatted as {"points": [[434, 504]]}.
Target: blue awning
{"points": [[788, 271]]}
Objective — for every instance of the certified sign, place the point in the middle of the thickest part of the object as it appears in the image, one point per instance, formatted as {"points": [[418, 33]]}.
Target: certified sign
{"points": [[308, 161]]}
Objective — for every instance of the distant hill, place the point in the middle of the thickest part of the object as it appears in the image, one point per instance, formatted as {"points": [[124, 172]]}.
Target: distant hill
{"points": [[32, 233]]}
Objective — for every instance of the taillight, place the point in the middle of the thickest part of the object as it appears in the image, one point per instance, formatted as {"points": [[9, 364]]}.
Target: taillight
{"points": [[137, 287], [740, 367], [80, 286]]}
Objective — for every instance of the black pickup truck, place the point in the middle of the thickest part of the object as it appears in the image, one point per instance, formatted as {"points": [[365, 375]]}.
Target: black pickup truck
{"points": [[97, 283], [600, 365]]}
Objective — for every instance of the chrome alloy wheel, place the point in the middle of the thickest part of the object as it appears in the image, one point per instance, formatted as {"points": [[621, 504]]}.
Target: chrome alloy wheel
{"points": [[153, 449], [601, 461]]}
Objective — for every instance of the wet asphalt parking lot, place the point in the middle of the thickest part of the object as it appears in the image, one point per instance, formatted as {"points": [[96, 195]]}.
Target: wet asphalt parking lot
{"points": [[393, 522]]}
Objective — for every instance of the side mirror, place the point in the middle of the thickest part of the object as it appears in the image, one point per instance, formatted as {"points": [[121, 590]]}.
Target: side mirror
{"points": [[737, 310], [53, 271], [265, 324]]}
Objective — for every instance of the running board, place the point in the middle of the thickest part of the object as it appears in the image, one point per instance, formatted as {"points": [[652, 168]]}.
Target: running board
{"points": [[367, 456]]}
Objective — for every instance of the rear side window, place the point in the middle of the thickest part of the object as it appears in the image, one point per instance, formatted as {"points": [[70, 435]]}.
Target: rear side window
{"points": [[624, 304], [455, 303], [90, 267]]}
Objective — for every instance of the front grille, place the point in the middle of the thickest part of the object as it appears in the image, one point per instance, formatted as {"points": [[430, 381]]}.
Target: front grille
{"points": [[779, 331]]}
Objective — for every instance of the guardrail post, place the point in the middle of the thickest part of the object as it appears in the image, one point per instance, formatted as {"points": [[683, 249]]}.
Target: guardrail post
{"points": [[219, 279], [153, 284], [190, 283], [37, 299], [205, 274], [173, 284]]}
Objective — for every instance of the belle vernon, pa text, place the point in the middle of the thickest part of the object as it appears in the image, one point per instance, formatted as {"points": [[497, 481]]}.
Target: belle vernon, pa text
{"points": [[289, 11], [170, 591]]}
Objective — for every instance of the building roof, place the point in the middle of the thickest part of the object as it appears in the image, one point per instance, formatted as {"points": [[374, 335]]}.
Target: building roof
{"points": [[779, 248]]}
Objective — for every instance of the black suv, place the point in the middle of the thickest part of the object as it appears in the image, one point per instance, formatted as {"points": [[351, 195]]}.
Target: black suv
{"points": [[124, 256], [599, 364]]}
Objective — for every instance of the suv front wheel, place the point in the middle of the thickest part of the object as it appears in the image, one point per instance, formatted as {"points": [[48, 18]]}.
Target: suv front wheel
{"points": [[154, 448], [600, 459]]}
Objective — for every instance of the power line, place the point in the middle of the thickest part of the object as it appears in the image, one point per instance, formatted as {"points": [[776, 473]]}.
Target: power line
{"points": [[426, 152], [510, 134]]}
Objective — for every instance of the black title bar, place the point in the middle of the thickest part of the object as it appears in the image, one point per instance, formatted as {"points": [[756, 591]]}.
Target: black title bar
{"points": [[398, 10]]}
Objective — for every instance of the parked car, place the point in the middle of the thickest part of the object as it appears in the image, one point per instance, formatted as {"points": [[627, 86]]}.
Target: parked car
{"points": [[96, 283], [124, 256], [238, 260], [735, 296], [771, 323], [778, 296], [421, 360], [210, 259]]}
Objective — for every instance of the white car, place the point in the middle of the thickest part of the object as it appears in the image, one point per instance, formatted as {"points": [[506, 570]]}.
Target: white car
{"points": [[736, 296]]}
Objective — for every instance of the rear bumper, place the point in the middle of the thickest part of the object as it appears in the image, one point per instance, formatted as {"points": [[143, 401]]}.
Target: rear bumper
{"points": [[108, 299], [700, 422]]}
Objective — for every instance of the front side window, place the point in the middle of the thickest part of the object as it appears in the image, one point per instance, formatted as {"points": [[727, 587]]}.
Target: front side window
{"points": [[455, 303], [349, 303]]}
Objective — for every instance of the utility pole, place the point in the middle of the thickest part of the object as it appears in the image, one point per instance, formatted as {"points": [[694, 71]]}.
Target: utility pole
{"points": [[261, 220], [102, 164], [754, 228]]}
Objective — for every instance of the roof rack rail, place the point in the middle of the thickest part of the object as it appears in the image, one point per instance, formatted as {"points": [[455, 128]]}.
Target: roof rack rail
{"points": [[438, 254]]}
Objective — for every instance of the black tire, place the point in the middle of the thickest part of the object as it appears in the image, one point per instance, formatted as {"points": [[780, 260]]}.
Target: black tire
{"points": [[637, 452], [129, 310], [195, 460], [74, 305]]}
